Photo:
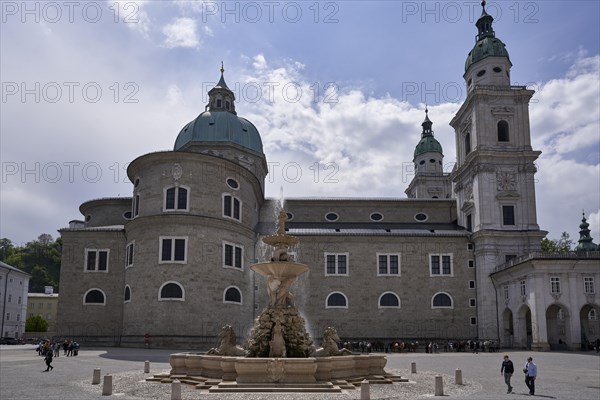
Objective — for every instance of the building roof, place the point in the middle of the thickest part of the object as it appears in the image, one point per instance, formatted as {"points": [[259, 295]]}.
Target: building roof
{"points": [[11, 268]]}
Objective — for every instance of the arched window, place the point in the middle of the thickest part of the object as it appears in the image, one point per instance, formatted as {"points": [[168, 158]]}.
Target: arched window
{"points": [[176, 198], [336, 300], [171, 291], [467, 143], [592, 315], [127, 295], [94, 297], [389, 300], [441, 300], [503, 131], [232, 295]]}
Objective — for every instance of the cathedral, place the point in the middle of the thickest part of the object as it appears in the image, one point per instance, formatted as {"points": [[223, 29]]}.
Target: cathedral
{"points": [[459, 258]]}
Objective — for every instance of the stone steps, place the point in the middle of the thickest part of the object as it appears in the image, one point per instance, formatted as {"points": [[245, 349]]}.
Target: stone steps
{"points": [[233, 387]]}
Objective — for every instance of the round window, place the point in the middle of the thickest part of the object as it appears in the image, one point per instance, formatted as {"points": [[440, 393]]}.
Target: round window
{"points": [[331, 216], [421, 217], [88, 218], [290, 216], [232, 183], [481, 73], [376, 216], [127, 215]]}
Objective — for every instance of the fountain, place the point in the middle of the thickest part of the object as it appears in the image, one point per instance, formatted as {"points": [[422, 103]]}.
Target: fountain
{"points": [[279, 354]]}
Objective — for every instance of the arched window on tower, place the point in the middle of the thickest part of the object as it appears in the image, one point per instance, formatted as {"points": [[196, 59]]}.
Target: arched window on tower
{"points": [[503, 131], [467, 143]]}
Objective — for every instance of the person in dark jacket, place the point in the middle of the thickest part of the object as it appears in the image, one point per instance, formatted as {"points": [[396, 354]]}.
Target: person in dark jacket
{"points": [[48, 359], [507, 369]]}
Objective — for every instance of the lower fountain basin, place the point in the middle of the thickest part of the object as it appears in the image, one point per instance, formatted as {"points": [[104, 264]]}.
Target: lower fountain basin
{"points": [[278, 370]]}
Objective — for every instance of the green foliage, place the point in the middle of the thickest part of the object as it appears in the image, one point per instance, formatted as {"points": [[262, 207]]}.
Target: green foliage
{"points": [[36, 323], [562, 245], [40, 258]]}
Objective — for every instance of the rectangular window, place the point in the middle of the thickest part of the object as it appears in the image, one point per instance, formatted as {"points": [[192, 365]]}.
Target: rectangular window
{"points": [[182, 199], [10, 298], [8, 316], [170, 199], [473, 320], [233, 255], [336, 264], [508, 215], [554, 284], [508, 257], [523, 285], [505, 289], [470, 246], [19, 299], [129, 254], [471, 263], [472, 302], [469, 223], [173, 250], [440, 265], [388, 264], [96, 260], [471, 284], [232, 207], [588, 285], [18, 317]]}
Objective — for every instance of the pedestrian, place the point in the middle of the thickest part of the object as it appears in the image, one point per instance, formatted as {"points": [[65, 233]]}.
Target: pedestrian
{"points": [[507, 370], [57, 349], [598, 345], [48, 360], [530, 370]]}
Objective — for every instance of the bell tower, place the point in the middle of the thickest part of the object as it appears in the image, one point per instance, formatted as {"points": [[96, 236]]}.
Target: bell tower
{"points": [[494, 176]]}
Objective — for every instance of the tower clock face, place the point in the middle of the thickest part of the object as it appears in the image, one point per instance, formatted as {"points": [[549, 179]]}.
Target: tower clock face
{"points": [[506, 181]]}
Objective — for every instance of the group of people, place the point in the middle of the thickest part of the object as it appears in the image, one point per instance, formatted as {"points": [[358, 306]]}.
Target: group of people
{"points": [[529, 369], [50, 349]]}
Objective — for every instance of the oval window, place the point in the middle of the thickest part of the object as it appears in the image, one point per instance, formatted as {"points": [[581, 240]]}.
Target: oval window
{"points": [[137, 182], [481, 73], [127, 215], [290, 216], [376, 216], [232, 183], [331, 216], [422, 162], [88, 218], [497, 69], [432, 161], [421, 217]]}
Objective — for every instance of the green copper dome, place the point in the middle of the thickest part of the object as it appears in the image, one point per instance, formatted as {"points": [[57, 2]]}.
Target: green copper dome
{"points": [[487, 45], [427, 144], [220, 126], [220, 123]]}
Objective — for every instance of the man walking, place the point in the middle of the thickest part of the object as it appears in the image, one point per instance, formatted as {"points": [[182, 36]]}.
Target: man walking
{"points": [[508, 369], [530, 370], [48, 360]]}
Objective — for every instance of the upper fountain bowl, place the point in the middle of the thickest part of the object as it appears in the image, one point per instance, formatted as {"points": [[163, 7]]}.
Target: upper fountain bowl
{"points": [[282, 270], [276, 240]]}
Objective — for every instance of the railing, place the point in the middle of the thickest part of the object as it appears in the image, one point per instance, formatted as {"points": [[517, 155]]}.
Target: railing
{"points": [[499, 87], [571, 255]]}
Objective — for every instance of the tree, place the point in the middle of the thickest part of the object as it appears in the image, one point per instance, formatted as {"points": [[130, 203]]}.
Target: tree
{"points": [[6, 249], [562, 245], [36, 323]]}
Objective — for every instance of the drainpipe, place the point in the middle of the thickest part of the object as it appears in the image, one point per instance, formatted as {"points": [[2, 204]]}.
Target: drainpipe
{"points": [[497, 318]]}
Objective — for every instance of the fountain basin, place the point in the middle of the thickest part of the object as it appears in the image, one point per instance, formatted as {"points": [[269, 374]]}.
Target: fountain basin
{"points": [[281, 270], [278, 370]]}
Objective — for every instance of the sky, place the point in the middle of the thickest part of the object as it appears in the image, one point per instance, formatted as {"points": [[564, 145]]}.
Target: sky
{"points": [[337, 90]]}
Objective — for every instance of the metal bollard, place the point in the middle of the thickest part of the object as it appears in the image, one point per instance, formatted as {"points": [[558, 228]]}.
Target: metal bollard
{"points": [[146, 366], [365, 390], [413, 367], [107, 385], [458, 377], [439, 385], [175, 390], [96, 376]]}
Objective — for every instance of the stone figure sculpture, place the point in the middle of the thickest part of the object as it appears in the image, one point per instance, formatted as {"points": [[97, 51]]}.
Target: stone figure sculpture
{"points": [[227, 344], [330, 345]]}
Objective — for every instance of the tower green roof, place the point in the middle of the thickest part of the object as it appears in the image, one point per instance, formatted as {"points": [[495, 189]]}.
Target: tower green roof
{"points": [[487, 44], [585, 240], [428, 143]]}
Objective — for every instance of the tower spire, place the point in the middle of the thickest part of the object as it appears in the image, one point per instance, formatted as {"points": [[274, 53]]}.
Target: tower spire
{"points": [[221, 98], [484, 24], [427, 124], [585, 240]]}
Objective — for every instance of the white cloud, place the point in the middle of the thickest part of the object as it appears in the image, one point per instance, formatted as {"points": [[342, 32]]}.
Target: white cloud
{"points": [[260, 62], [181, 32], [208, 31], [133, 14]]}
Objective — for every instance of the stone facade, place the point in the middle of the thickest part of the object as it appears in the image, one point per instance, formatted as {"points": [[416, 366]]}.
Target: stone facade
{"points": [[14, 285]]}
